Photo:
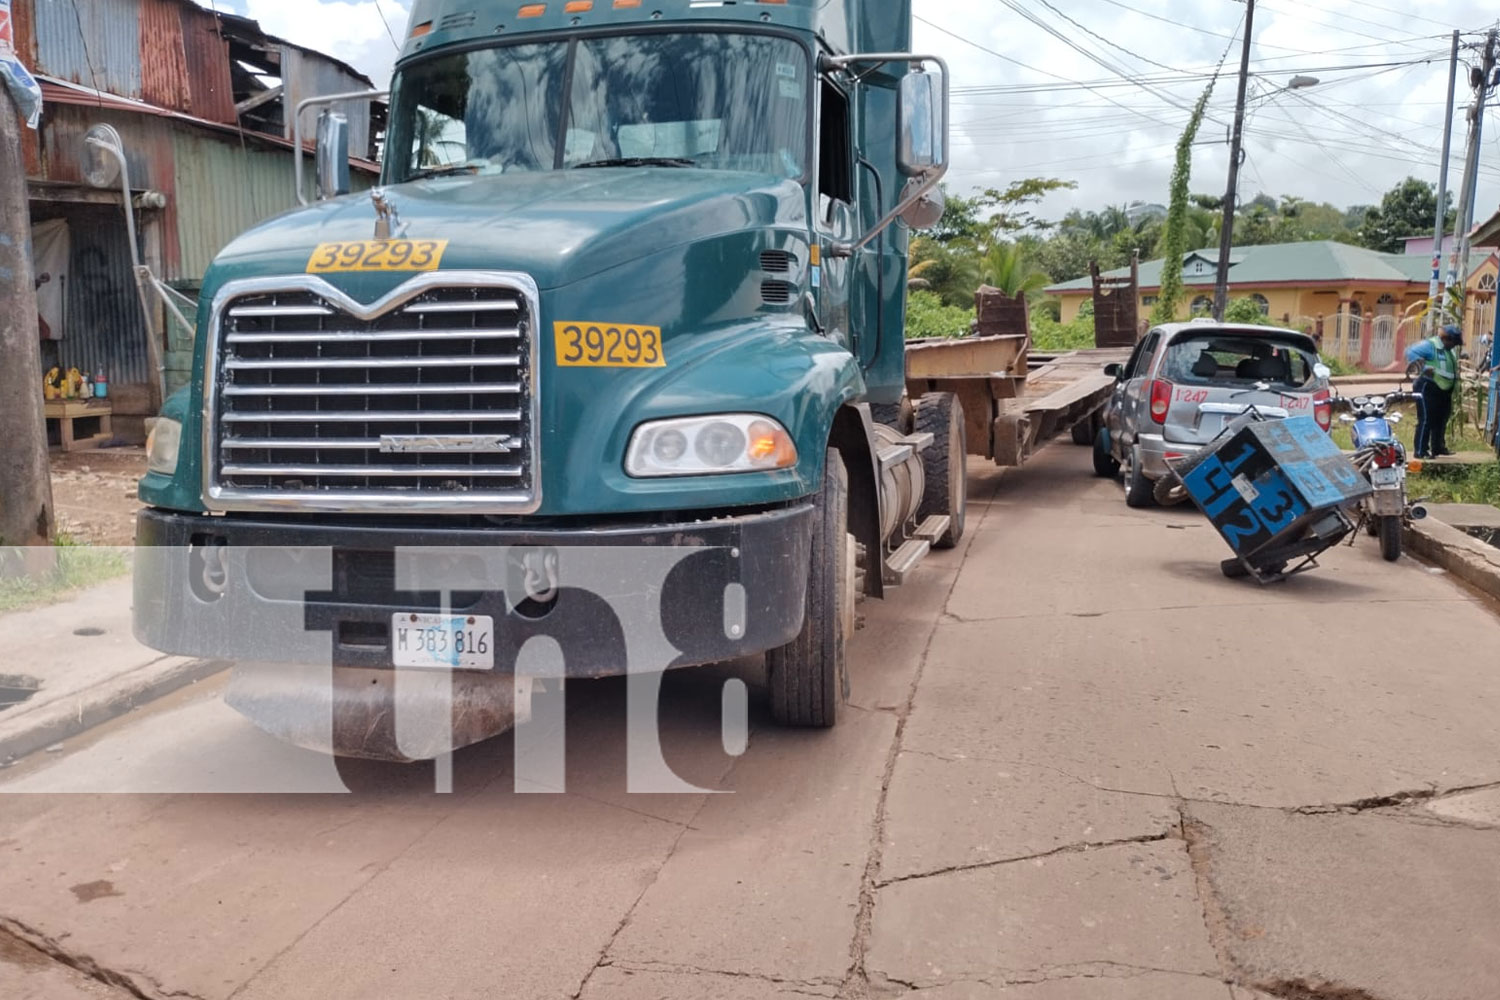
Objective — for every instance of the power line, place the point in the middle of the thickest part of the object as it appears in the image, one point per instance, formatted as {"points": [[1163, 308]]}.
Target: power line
{"points": [[1094, 57], [1017, 62], [1327, 24], [389, 33], [1089, 31]]}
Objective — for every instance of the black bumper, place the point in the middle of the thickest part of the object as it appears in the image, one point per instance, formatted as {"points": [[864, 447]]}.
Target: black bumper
{"points": [[626, 599]]}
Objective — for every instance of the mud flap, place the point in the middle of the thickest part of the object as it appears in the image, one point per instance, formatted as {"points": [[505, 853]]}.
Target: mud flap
{"points": [[353, 712]]}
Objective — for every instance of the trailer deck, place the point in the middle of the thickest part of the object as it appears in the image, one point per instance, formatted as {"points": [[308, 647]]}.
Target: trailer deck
{"points": [[1015, 402]]}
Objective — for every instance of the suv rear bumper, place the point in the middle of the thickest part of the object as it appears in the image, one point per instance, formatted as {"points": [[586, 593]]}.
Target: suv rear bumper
{"points": [[635, 598], [1155, 450]]}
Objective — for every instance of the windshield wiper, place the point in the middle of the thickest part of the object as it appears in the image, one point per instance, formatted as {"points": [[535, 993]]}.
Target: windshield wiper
{"points": [[640, 161], [453, 171]]}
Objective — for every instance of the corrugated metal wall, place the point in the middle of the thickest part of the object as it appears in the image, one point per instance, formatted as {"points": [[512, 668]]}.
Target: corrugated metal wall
{"points": [[222, 190], [93, 42], [207, 57], [164, 72], [305, 75], [103, 328]]}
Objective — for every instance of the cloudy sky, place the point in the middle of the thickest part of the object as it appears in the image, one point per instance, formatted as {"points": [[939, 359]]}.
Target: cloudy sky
{"points": [[1097, 91]]}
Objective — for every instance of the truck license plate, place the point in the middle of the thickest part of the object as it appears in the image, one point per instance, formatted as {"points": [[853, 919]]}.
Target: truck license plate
{"points": [[443, 642], [1385, 477]]}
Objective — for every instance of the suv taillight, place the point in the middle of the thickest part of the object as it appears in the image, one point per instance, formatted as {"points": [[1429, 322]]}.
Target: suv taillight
{"points": [[1161, 400], [1323, 408]]}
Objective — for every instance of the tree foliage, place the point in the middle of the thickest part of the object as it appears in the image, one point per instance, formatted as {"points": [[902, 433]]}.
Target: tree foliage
{"points": [[1010, 207], [928, 316], [1408, 209], [1174, 239], [1007, 267]]}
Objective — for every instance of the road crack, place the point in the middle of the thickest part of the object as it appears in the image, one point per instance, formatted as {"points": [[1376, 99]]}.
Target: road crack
{"points": [[1301, 989], [826, 988], [1078, 848], [1004, 978], [604, 960], [133, 982], [856, 983]]}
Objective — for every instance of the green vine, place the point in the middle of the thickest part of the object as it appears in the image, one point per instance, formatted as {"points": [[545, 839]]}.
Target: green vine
{"points": [[1174, 240]]}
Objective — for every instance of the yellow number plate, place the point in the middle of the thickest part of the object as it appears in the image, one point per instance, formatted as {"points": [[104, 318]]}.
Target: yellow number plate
{"points": [[608, 345], [377, 255]]}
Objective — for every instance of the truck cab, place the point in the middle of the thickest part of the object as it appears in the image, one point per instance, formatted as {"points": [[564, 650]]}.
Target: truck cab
{"points": [[634, 280]]}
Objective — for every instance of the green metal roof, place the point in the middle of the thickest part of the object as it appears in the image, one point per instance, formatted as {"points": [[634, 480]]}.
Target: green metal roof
{"points": [[1282, 263]]}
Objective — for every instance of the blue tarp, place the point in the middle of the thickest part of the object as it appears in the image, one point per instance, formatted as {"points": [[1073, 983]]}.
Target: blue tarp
{"points": [[18, 80]]}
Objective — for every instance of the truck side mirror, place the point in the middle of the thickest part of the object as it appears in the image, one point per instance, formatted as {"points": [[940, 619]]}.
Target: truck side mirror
{"points": [[923, 128], [927, 210], [332, 155], [1114, 371]]}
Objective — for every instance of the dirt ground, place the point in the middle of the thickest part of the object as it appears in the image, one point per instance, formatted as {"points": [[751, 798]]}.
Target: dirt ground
{"points": [[94, 492]]}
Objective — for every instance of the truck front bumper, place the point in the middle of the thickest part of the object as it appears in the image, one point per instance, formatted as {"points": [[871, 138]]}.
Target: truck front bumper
{"points": [[615, 600]]}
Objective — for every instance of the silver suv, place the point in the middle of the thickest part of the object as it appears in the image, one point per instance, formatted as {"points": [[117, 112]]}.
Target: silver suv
{"points": [[1185, 381]]}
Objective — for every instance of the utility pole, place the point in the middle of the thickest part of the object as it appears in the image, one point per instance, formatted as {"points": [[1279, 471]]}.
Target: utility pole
{"points": [[26, 514], [1236, 154], [1458, 273], [1440, 229]]}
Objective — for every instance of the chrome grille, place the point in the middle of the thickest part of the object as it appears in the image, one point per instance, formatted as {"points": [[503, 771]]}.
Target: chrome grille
{"points": [[321, 403]]}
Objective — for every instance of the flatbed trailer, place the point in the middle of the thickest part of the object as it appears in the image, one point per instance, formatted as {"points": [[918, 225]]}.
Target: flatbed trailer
{"points": [[1015, 401]]}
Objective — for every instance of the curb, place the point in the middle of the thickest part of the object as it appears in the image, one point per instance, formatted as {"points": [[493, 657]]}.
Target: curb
{"points": [[42, 727], [1468, 559]]}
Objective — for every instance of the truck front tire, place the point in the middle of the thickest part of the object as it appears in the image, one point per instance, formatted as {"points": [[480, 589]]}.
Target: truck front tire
{"points": [[808, 678], [944, 464]]}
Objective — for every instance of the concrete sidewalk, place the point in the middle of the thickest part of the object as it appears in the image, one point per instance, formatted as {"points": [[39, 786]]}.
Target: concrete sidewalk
{"points": [[89, 666]]}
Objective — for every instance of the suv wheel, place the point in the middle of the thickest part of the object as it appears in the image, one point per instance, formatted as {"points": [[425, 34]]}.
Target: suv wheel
{"points": [[1139, 491], [1106, 466]]}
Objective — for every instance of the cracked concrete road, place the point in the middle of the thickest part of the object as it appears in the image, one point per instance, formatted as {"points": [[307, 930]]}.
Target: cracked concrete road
{"points": [[1080, 765]]}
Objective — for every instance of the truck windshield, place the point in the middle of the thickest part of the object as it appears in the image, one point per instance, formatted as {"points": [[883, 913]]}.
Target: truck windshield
{"points": [[716, 100]]}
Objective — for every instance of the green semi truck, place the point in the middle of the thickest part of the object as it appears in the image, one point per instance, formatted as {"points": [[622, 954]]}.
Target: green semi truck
{"points": [[634, 279]]}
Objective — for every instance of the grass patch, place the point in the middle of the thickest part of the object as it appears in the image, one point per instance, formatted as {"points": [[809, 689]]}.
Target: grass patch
{"points": [[1462, 436], [1457, 484], [78, 567]]}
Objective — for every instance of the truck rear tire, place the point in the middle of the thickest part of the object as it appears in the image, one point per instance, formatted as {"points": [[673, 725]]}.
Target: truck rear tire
{"points": [[890, 414], [1084, 430], [808, 678], [945, 464]]}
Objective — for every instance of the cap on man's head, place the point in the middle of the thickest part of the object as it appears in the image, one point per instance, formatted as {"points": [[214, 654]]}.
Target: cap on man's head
{"points": [[1453, 333]]}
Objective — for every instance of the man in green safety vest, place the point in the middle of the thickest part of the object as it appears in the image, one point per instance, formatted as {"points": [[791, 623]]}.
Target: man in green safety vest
{"points": [[1439, 359]]}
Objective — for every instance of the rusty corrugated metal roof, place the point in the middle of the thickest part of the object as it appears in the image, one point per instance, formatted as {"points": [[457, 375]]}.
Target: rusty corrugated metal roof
{"points": [[164, 70], [97, 44], [208, 70]]}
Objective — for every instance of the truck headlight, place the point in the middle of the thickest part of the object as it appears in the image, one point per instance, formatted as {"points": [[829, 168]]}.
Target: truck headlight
{"points": [[162, 446], [709, 446]]}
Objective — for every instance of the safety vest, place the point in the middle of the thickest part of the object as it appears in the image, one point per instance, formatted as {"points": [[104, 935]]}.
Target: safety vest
{"points": [[1444, 366]]}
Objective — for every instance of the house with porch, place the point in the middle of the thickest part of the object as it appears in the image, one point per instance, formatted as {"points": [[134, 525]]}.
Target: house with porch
{"points": [[1361, 304]]}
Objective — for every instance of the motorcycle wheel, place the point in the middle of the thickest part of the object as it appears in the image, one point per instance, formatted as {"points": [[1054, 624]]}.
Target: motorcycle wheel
{"points": [[1390, 538]]}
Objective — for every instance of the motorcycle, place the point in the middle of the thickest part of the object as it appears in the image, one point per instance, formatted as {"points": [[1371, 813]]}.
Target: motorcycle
{"points": [[1381, 459]]}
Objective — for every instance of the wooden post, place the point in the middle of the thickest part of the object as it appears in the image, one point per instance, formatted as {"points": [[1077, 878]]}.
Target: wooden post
{"points": [[26, 512]]}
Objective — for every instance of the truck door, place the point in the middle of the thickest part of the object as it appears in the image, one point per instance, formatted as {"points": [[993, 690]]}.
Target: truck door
{"points": [[836, 217]]}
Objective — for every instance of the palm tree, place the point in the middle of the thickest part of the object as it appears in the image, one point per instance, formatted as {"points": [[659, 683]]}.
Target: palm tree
{"points": [[1005, 267]]}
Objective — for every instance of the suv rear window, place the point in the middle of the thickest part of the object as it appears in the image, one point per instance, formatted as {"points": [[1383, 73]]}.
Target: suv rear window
{"points": [[1231, 360]]}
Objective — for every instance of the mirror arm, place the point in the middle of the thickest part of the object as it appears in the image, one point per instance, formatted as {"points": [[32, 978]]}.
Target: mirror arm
{"points": [[933, 177], [311, 102]]}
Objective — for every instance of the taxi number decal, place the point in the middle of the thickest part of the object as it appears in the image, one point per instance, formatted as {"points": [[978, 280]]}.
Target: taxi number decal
{"points": [[377, 255], [608, 345]]}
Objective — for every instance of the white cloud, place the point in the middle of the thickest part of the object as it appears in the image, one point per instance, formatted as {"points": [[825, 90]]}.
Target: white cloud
{"points": [[351, 30]]}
